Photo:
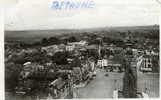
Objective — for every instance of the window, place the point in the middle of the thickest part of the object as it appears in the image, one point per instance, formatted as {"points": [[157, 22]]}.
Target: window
{"points": [[149, 65], [149, 60]]}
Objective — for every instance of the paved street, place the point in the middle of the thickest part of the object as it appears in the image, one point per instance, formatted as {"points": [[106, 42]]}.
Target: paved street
{"points": [[149, 81], [101, 86]]}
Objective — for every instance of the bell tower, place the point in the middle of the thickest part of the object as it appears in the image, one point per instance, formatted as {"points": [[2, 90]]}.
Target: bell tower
{"points": [[130, 76]]}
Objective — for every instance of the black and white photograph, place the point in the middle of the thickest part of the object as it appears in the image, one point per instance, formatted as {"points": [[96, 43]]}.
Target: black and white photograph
{"points": [[81, 49]]}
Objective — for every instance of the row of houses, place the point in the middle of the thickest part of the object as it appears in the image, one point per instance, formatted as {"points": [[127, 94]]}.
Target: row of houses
{"points": [[109, 65], [57, 81], [150, 63], [69, 47], [38, 78]]}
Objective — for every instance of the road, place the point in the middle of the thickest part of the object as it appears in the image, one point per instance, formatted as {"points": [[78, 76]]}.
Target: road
{"points": [[149, 81], [101, 86]]}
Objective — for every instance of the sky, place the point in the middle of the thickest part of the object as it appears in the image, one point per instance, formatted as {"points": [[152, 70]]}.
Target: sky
{"points": [[38, 14]]}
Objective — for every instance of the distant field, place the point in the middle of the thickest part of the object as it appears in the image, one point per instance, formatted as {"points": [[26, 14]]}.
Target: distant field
{"points": [[36, 35]]}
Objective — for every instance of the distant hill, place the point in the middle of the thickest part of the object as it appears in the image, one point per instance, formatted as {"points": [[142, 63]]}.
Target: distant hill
{"points": [[36, 35]]}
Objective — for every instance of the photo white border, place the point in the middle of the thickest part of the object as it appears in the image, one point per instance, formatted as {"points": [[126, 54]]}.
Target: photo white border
{"points": [[2, 93]]}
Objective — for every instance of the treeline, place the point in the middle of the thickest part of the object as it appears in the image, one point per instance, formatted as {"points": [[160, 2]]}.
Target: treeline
{"points": [[42, 42], [112, 36]]}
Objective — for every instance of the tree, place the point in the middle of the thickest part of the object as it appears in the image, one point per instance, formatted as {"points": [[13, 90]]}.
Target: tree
{"points": [[72, 39], [44, 41], [53, 40], [60, 58], [11, 75], [76, 62]]}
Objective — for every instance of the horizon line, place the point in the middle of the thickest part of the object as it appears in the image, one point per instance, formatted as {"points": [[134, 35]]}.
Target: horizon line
{"points": [[81, 28]]}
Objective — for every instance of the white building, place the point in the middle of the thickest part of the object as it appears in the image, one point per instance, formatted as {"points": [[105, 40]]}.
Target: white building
{"points": [[70, 47], [147, 63], [102, 63], [81, 43]]}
